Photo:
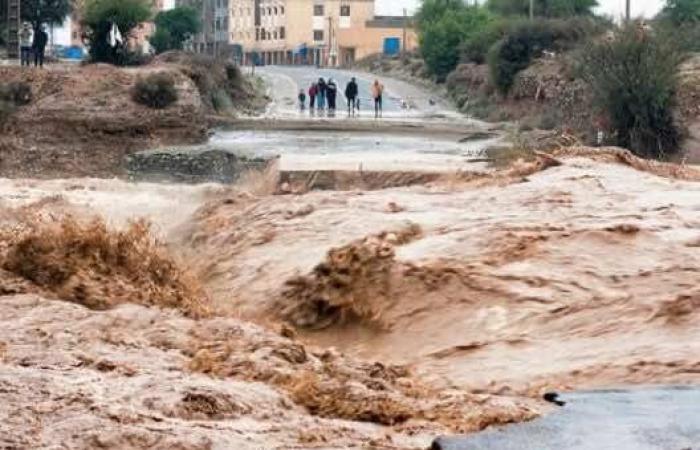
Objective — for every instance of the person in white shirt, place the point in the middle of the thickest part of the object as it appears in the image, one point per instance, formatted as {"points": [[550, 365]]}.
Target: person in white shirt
{"points": [[26, 39]]}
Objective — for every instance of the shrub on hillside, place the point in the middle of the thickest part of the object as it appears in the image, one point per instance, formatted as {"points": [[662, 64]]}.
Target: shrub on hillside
{"points": [[234, 75], [634, 78], [18, 93], [6, 111], [543, 8], [155, 91], [441, 39], [476, 48], [526, 40]]}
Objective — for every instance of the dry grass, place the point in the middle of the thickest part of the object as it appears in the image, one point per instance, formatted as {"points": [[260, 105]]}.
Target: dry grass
{"points": [[89, 264]]}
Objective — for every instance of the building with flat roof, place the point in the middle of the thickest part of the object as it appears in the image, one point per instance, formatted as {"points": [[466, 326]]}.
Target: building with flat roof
{"points": [[320, 32]]}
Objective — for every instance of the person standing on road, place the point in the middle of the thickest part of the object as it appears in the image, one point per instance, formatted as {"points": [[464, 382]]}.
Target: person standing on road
{"points": [[321, 93], [26, 38], [302, 99], [377, 93], [332, 92], [351, 92], [313, 90], [41, 38]]}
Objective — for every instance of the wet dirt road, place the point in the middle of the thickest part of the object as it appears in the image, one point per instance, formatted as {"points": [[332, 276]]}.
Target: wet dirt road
{"points": [[314, 150], [401, 100], [664, 418]]}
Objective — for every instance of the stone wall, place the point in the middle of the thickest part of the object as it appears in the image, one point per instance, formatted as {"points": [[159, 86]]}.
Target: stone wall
{"points": [[194, 165]]}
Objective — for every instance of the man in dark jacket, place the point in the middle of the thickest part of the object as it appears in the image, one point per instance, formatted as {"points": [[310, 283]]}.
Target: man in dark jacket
{"points": [[332, 93], [41, 38], [351, 92], [321, 91]]}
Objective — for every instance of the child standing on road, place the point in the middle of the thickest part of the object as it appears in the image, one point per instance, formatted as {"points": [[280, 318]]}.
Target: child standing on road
{"points": [[377, 93], [302, 99]]}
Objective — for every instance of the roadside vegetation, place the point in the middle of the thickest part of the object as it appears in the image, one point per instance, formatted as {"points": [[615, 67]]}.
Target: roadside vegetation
{"points": [[156, 91], [634, 79], [588, 73], [98, 18], [174, 28]]}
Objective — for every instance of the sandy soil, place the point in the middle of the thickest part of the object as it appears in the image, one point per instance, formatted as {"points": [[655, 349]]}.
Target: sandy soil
{"points": [[82, 121], [471, 292]]}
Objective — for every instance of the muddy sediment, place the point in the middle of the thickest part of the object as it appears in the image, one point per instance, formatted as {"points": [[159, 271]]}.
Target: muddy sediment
{"points": [[384, 317], [567, 253]]}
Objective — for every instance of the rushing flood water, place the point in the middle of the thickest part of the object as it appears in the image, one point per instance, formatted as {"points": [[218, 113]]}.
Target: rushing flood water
{"points": [[640, 419], [311, 150]]}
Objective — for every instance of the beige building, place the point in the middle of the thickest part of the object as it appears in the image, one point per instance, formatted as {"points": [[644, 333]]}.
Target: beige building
{"points": [[323, 32]]}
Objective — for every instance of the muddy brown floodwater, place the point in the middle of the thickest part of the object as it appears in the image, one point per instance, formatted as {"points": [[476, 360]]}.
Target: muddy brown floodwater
{"points": [[468, 295]]}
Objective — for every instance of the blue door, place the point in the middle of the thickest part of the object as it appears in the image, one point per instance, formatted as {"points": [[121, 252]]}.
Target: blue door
{"points": [[392, 46]]}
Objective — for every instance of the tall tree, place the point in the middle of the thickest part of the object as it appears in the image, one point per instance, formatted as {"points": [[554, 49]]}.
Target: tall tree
{"points": [[682, 11], [100, 15], [38, 12], [543, 8], [174, 27]]}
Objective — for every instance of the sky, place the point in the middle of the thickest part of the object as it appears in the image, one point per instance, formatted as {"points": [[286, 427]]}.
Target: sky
{"points": [[615, 8]]}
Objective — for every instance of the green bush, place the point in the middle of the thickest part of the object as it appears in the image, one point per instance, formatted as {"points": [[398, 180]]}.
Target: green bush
{"points": [[441, 39], [525, 40], [174, 27], [681, 11], [234, 75], [221, 101], [155, 91], [634, 79], [476, 48], [687, 35], [17, 93], [6, 111], [543, 8]]}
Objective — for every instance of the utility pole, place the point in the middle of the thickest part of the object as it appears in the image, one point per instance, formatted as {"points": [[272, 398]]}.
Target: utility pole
{"points": [[532, 9], [627, 11], [405, 25], [330, 40]]}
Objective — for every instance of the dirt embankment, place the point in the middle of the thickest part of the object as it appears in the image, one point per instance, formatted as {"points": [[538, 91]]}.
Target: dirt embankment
{"points": [[82, 121]]}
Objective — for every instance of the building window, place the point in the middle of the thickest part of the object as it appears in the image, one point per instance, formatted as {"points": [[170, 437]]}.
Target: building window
{"points": [[257, 34], [275, 10], [282, 32], [344, 10], [262, 11], [282, 10], [318, 10], [318, 35], [269, 11], [274, 35]]}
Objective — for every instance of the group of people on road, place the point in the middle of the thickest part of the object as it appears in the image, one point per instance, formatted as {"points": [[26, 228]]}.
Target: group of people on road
{"points": [[322, 93], [32, 43]]}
